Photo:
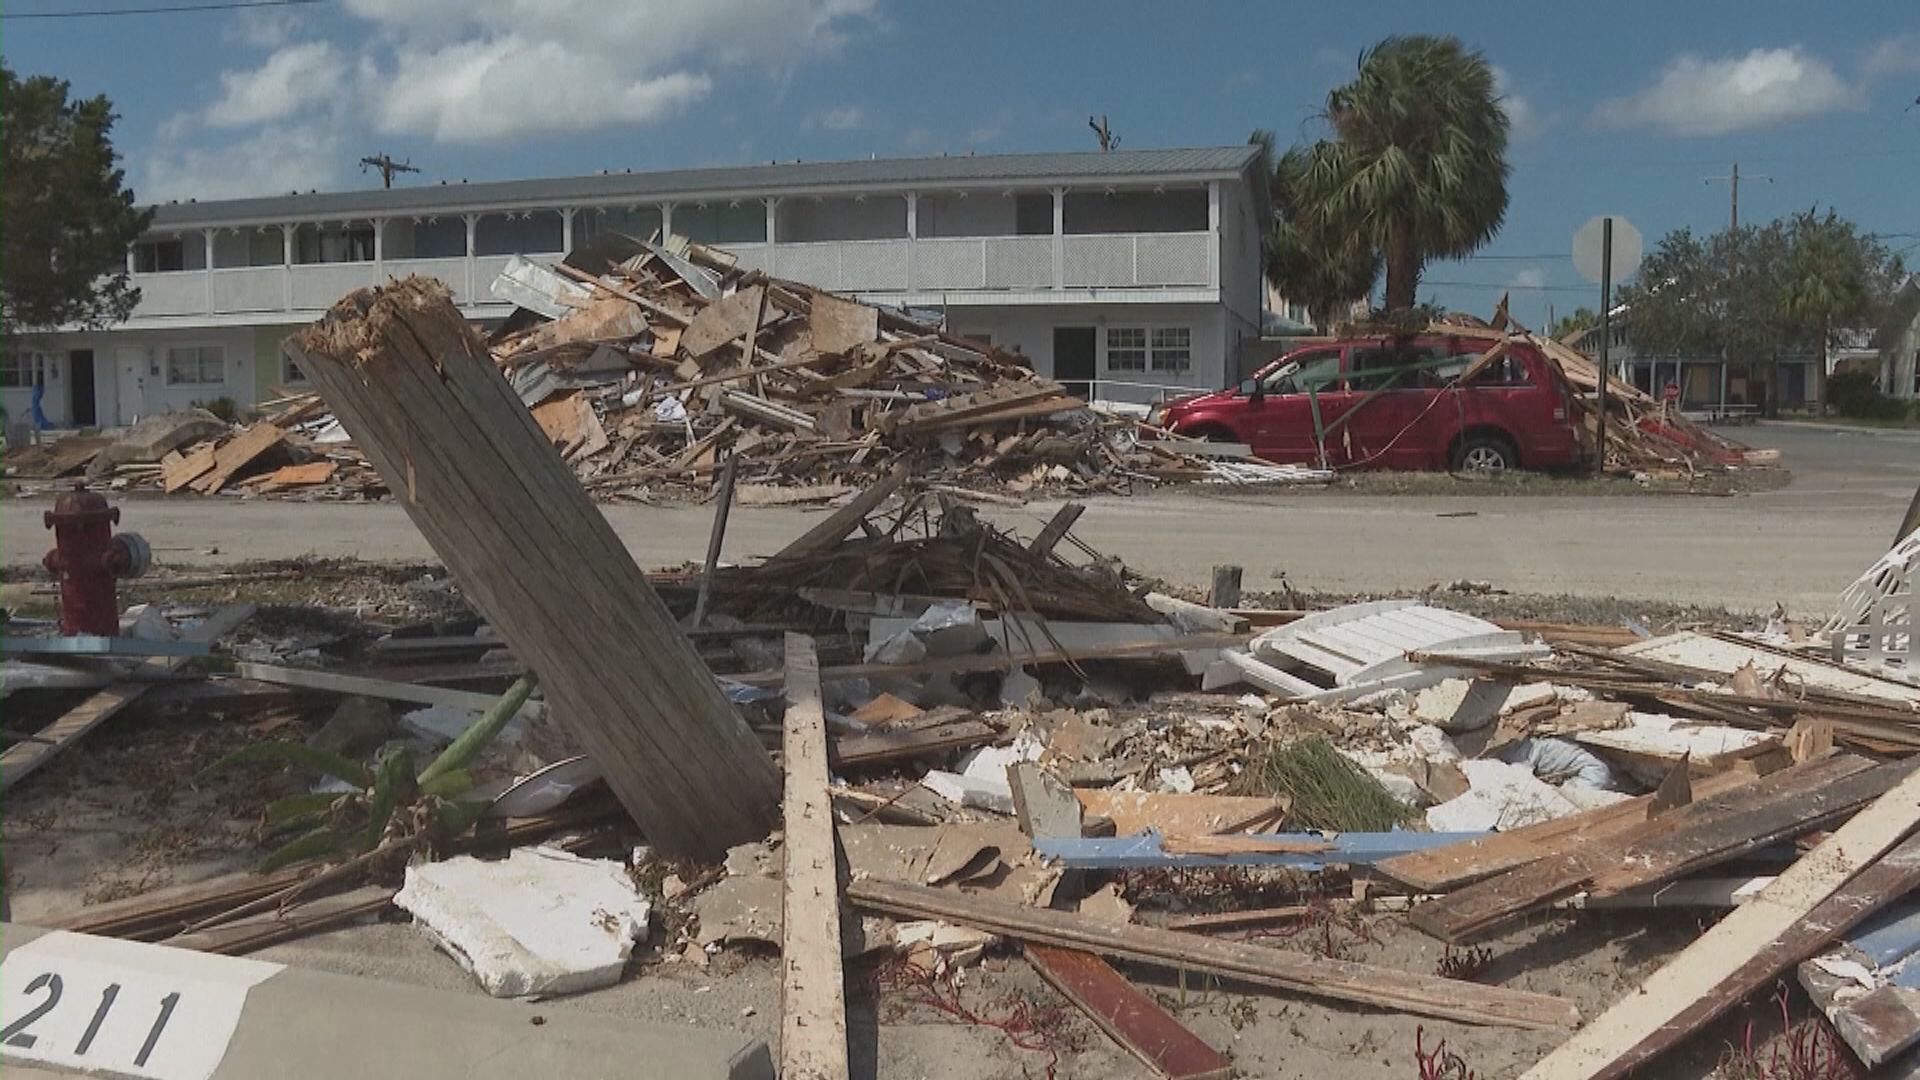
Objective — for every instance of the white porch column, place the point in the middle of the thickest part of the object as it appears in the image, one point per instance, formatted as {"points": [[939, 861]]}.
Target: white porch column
{"points": [[286, 265], [666, 221], [379, 250], [473, 228], [1213, 233], [773, 217], [566, 230], [207, 237], [913, 234], [1059, 238], [130, 261]]}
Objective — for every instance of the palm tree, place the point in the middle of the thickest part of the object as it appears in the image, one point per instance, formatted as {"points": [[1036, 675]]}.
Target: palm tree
{"points": [[1325, 271], [1417, 166], [1832, 273]]}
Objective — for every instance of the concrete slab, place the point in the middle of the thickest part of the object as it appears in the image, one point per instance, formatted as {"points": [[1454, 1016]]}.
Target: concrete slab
{"points": [[239, 1019]]}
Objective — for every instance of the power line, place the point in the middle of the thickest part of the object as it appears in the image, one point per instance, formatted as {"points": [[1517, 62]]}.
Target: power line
{"points": [[171, 9]]}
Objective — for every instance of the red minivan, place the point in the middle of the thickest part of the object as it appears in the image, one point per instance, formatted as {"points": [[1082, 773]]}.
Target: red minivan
{"points": [[1511, 415]]}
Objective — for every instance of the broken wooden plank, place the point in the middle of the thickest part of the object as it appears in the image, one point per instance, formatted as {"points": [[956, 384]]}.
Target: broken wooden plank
{"points": [[236, 454], [313, 472], [840, 326], [813, 1007], [362, 686], [722, 322], [1302, 851], [1130, 650], [18, 761], [1240, 920], [1338, 980], [1129, 1017], [1057, 528], [1174, 814], [1748, 948], [882, 746], [184, 469], [716, 537], [1495, 901], [297, 920], [408, 376], [844, 520]]}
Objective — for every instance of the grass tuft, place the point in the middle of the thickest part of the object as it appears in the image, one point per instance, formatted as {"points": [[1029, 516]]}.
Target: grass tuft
{"points": [[1327, 790]]}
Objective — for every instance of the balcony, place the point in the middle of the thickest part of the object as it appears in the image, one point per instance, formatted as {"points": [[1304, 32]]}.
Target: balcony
{"points": [[945, 264]]}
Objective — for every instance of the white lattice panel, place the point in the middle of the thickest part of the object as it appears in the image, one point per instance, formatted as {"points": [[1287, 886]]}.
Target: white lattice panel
{"points": [[1099, 260], [752, 257], [867, 265], [1172, 259], [1873, 624], [1020, 262], [956, 263], [816, 264]]}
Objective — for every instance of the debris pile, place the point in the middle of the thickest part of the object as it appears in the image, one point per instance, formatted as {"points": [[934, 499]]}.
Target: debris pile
{"points": [[1022, 753]]}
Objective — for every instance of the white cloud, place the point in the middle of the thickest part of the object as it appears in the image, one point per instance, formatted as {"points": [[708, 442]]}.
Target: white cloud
{"points": [[1766, 87], [292, 80], [274, 162], [839, 118], [1894, 56], [1525, 119], [488, 89]]}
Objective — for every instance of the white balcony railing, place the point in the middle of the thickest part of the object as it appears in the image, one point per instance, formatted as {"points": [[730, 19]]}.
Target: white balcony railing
{"points": [[943, 264]]}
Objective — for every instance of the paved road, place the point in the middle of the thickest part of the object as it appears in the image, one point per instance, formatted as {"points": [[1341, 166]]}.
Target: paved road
{"points": [[1798, 545]]}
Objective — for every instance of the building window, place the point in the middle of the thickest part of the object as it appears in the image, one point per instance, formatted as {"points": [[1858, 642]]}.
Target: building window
{"points": [[290, 373], [1173, 348], [196, 365], [16, 369], [159, 256], [1126, 348]]}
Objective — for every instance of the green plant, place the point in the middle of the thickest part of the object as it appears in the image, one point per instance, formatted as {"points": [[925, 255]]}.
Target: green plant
{"points": [[1327, 790], [222, 407], [1856, 394], [389, 799]]}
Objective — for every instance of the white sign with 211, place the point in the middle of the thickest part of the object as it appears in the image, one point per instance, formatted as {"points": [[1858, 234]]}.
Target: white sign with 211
{"points": [[101, 1005]]}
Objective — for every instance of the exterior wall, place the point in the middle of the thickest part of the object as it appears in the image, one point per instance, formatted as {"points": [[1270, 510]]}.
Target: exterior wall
{"points": [[1029, 330], [269, 366], [130, 371], [1902, 363], [1241, 281], [50, 365], [980, 213]]}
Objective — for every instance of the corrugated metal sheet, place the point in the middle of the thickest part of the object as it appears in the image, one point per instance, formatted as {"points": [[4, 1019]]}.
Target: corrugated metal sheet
{"points": [[1118, 166]]}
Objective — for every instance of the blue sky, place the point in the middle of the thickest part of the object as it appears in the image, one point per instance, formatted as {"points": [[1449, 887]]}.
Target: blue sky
{"points": [[1621, 108]]}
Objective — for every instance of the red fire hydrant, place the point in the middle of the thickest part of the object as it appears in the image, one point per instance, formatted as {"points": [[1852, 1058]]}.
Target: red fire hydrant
{"points": [[87, 557]]}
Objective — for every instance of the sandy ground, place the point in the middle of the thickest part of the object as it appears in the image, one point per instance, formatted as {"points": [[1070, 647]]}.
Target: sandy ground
{"points": [[1798, 545]]}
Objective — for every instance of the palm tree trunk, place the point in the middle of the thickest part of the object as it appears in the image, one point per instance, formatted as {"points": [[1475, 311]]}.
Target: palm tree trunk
{"points": [[1403, 269]]}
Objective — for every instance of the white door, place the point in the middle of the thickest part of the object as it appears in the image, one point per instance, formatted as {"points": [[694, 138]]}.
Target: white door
{"points": [[130, 383]]}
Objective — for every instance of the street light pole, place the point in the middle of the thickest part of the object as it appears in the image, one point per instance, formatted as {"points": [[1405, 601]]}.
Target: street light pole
{"points": [[1606, 306]]}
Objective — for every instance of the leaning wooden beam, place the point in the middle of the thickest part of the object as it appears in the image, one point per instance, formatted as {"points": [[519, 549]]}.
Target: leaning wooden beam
{"points": [[813, 1006], [20, 760], [385, 689], [419, 393], [1129, 1017], [1339, 980], [1749, 947], [844, 520], [1056, 529], [722, 506]]}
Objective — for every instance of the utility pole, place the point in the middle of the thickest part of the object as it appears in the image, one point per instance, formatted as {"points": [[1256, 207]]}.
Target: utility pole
{"points": [[1732, 180], [1108, 140], [387, 167]]}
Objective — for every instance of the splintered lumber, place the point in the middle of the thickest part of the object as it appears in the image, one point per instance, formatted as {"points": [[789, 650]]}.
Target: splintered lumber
{"points": [[722, 507], [418, 391], [183, 470], [1448, 868], [846, 519], [1042, 803], [873, 748], [1129, 1017], [1484, 907], [1337, 980], [236, 454], [1786, 922], [25, 757], [813, 1007]]}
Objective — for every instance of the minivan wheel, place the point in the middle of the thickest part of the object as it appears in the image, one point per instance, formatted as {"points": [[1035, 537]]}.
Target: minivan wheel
{"points": [[1484, 453]]}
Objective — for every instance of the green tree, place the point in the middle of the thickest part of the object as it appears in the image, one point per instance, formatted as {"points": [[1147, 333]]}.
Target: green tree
{"points": [[1416, 169], [1836, 275], [1566, 326], [66, 216], [1322, 269]]}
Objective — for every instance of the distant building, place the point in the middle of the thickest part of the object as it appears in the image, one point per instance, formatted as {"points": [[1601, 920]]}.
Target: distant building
{"points": [[1131, 274], [1708, 383], [1896, 343]]}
